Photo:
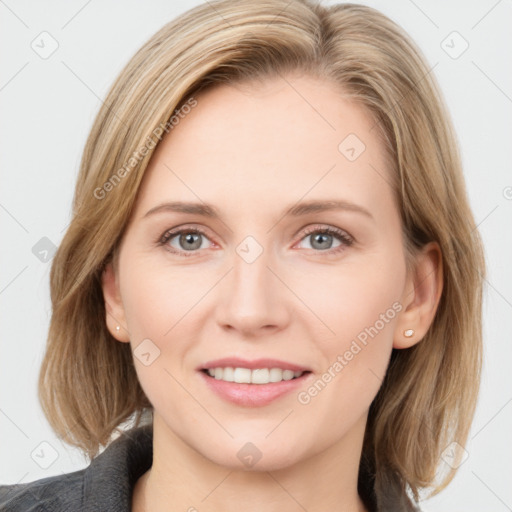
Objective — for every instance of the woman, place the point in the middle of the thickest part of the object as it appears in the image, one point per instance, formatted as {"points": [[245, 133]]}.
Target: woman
{"points": [[272, 268]]}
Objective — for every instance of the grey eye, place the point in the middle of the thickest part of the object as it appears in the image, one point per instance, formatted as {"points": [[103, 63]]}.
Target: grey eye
{"points": [[321, 241], [187, 241]]}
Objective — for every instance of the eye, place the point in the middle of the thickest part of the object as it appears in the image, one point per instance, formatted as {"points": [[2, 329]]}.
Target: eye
{"points": [[189, 241], [328, 239], [184, 240]]}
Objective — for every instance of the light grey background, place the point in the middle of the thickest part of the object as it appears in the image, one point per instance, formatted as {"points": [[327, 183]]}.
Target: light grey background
{"points": [[48, 106]]}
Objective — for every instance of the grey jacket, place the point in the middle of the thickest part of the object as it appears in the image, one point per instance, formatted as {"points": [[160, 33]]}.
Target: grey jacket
{"points": [[106, 485]]}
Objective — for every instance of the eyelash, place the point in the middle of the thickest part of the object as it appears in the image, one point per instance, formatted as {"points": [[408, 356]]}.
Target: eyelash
{"points": [[345, 239]]}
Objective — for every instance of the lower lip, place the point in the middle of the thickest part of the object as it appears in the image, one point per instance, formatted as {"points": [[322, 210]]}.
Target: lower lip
{"points": [[253, 395]]}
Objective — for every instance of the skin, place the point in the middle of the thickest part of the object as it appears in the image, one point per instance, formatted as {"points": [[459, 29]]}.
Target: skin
{"points": [[253, 151]]}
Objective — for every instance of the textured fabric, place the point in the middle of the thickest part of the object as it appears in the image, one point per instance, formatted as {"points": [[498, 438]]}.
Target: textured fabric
{"points": [[106, 485]]}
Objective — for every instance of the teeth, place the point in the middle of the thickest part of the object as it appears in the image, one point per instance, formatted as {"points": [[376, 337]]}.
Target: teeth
{"points": [[258, 376]]}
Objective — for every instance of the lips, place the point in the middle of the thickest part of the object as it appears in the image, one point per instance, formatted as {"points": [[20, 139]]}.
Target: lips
{"points": [[254, 395], [235, 362]]}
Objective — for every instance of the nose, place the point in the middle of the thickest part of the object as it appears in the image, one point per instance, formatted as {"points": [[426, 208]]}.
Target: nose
{"points": [[253, 299]]}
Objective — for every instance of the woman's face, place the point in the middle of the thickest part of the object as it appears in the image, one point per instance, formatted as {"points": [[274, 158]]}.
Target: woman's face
{"points": [[281, 240]]}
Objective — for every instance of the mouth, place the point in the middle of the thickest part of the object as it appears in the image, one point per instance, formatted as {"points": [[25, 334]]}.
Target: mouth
{"points": [[253, 383]]}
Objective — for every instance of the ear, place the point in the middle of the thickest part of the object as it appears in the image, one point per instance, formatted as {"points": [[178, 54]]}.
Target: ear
{"points": [[114, 314], [421, 296]]}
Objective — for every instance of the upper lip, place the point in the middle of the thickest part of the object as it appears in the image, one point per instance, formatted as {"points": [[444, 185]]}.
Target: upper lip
{"points": [[236, 362]]}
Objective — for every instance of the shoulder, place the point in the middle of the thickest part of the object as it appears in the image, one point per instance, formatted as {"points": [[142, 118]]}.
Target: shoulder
{"points": [[52, 494], [106, 484]]}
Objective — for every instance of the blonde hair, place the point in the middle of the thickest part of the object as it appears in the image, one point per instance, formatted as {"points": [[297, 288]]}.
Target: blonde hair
{"points": [[88, 385]]}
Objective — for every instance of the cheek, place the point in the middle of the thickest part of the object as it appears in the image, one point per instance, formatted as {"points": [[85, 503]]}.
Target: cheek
{"points": [[161, 304], [157, 297], [362, 310], [360, 305], [355, 296]]}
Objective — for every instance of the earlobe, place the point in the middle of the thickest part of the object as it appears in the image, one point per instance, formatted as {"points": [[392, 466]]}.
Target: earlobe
{"points": [[114, 310], [421, 297]]}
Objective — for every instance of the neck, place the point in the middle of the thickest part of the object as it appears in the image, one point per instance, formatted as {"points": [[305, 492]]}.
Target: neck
{"points": [[181, 479]]}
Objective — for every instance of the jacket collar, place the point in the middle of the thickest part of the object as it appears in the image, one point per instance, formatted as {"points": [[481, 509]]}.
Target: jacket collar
{"points": [[110, 478]]}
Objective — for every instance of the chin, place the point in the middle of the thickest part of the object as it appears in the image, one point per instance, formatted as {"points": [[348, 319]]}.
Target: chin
{"points": [[255, 456]]}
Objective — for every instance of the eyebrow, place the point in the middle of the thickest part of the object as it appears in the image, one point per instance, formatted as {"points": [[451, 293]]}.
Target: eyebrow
{"points": [[296, 210]]}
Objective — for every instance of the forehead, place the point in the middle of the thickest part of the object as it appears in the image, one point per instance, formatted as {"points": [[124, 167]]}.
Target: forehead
{"points": [[278, 139]]}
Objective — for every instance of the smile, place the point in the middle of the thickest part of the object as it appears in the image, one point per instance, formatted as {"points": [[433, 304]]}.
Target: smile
{"points": [[254, 388], [256, 376]]}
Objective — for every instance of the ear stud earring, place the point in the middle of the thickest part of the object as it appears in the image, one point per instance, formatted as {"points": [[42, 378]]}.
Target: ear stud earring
{"points": [[118, 327], [408, 333]]}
